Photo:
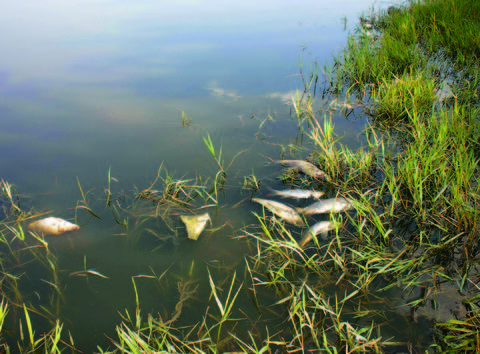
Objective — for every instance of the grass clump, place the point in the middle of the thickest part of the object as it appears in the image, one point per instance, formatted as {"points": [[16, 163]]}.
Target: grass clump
{"points": [[396, 98], [370, 60], [450, 26], [418, 222], [405, 41]]}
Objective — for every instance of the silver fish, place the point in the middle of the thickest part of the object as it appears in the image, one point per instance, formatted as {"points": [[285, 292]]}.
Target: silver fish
{"points": [[284, 212], [195, 224], [305, 167], [334, 205], [297, 193], [321, 227], [52, 226]]}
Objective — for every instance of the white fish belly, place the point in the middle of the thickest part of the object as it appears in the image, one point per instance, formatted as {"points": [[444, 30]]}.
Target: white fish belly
{"points": [[52, 226]]}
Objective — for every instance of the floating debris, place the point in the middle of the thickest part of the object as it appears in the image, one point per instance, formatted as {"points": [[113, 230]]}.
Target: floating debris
{"points": [[195, 224], [346, 105], [305, 167], [297, 193], [283, 211], [321, 227], [334, 205], [52, 226]]}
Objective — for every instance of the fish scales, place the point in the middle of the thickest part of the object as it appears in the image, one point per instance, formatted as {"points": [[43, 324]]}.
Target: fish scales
{"points": [[281, 210], [321, 227], [334, 205], [305, 167], [52, 226], [297, 193]]}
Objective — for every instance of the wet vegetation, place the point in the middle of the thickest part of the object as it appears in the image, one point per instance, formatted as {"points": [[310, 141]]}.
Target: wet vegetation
{"points": [[397, 272]]}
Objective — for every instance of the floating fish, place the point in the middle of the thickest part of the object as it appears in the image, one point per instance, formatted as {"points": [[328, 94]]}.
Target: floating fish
{"points": [[305, 167], [321, 227], [346, 105], [334, 205], [297, 193], [52, 226], [284, 212], [195, 224]]}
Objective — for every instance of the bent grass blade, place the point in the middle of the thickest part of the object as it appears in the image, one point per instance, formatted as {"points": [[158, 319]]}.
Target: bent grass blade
{"points": [[226, 308]]}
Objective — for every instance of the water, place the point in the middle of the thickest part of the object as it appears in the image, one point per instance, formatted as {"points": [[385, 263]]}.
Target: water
{"points": [[88, 86]]}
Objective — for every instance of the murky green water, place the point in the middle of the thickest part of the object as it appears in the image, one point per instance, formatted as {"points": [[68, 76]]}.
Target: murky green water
{"points": [[88, 86]]}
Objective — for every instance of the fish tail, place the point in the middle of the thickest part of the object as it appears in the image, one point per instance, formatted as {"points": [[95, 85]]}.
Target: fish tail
{"points": [[272, 191]]}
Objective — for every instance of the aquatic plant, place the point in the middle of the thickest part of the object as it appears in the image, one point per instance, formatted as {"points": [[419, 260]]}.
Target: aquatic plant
{"points": [[251, 182], [186, 120]]}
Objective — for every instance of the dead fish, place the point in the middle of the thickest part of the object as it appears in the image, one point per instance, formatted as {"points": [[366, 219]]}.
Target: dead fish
{"points": [[305, 167], [195, 224], [284, 212], [321, 227], [297, 193], [345, 105], [334, 205], [52, 226]]}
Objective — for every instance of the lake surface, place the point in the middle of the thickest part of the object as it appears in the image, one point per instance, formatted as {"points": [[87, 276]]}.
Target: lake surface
{"points": [[92, 86]]}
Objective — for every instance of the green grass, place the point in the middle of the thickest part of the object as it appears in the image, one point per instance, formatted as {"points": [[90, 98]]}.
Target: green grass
{"points": [[186, 120], [443, 25], [402, 96], [424, 202]]}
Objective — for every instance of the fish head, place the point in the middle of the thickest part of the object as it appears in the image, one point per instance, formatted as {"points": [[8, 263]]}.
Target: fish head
{"points": [[320, 175]]}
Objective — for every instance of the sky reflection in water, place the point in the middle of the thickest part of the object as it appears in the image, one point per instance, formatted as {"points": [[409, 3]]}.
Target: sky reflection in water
{"points": [[55, 43], [78, 69], [89, 85]]}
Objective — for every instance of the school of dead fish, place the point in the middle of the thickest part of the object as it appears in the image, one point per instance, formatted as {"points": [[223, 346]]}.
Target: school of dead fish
{"points": [[294, 216], [195, 224]]}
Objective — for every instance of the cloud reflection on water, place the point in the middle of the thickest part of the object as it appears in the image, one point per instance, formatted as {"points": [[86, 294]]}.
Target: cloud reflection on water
{"points": [[77, 76], [76, 42]]}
